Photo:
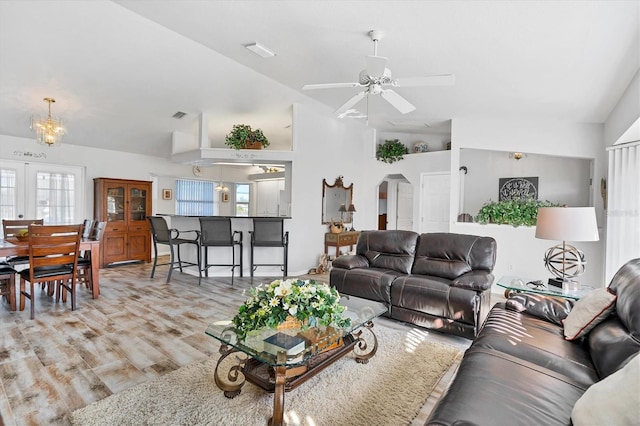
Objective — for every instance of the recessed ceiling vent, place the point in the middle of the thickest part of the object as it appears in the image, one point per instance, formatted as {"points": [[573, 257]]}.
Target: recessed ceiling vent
{"points": [[178, 115]]}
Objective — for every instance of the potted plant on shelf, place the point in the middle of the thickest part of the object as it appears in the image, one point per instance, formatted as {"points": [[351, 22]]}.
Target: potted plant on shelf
{"points": [[391, 150], [243, 137], [512, 212]]}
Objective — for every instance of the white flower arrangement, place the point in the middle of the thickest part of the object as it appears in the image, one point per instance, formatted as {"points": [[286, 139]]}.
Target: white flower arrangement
{"points": [[308, 301]]}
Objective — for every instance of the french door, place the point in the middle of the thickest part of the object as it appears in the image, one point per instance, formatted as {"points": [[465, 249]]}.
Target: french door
{"points": [[51, 192]]}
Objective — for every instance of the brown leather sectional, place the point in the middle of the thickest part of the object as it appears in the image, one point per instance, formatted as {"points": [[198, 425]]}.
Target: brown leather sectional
{"points": [[440, 281], [521, 370]]}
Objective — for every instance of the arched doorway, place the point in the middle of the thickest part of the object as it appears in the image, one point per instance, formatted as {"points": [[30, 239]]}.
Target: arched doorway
{"points": [[395, 203]]}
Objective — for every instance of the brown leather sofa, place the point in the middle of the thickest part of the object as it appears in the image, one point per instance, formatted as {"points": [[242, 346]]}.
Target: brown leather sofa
{"points": [[440, 281], [521, 370]]}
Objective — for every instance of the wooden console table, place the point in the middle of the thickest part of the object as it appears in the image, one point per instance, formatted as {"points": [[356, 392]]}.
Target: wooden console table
{"points": [[348, 238]]}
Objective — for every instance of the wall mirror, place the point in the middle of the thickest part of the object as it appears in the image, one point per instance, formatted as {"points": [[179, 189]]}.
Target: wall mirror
{"points": [[333, 196]]}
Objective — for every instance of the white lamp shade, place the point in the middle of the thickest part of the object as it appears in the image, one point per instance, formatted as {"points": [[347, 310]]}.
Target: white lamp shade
{"points": [[567, 224]]}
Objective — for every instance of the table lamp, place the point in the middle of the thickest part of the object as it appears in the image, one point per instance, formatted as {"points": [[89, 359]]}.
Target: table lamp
{"points": [[342, 209], [352, 210], [565, 261]]}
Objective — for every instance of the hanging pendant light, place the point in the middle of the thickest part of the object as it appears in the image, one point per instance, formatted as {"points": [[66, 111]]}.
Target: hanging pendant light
{"points": [[221, 187], [48, 130]]}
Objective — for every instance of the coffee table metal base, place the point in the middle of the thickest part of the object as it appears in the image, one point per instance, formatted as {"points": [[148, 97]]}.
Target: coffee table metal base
{"points": [[283, 378]]}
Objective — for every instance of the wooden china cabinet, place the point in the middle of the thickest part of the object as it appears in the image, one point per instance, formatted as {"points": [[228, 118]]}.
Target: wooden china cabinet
{"points": [[124, 205]]}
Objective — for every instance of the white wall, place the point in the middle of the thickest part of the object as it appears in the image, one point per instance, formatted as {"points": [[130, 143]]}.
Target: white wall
{"points": [[519, 252], [625, 113], [560, 179]]}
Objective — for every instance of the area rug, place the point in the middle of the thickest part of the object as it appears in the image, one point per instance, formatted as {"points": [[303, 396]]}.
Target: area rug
{"points": [[389, 390]]}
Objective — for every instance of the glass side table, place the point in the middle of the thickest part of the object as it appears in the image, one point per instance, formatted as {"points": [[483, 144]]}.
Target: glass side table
{"points": [[515, 284], [247, 359]]}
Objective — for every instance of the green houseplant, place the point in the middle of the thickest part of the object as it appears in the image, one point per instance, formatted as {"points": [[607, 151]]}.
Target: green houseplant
{"points": [[243, 137], [512, 212], [391, 150]]}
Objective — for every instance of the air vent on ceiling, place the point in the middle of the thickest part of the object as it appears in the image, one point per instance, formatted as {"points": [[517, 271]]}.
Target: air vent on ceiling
{"points": [[179, 115]]}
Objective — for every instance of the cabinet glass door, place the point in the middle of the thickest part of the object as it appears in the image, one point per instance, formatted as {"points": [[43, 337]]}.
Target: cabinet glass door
{"points": [[115, 203], [138, 204]]}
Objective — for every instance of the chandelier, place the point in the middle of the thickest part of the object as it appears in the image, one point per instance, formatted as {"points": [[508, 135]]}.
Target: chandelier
{"points": [[48, 130]]}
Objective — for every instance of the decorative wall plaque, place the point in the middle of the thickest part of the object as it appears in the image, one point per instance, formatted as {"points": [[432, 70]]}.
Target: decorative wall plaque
{"points": [[518, 188]]}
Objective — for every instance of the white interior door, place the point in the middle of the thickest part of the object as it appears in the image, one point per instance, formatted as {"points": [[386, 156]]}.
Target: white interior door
{"points": [[434, 202], [404, 211]]}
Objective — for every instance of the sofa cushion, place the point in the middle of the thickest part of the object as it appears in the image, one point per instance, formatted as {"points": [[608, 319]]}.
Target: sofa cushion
{"points": [[626, 284], [434, 296], [553, 309], [538, 341], [450, 255], [492, 388], [612, 401], [369, 283], [610, 346], [588, 312], [391, 249]]}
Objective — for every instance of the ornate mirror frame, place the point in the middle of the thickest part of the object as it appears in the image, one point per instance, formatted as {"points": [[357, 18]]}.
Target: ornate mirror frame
{"points": [[332, 197]]}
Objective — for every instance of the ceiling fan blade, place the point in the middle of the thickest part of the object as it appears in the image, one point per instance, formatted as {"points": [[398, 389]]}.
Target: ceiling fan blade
{"points": [[433, 80], [376, 65], [329, 86], [351, 102], [398, 102]]}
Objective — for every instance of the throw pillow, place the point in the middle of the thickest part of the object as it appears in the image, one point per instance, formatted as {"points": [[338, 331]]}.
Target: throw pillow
{"points": [[612, 401], [588, 312]]}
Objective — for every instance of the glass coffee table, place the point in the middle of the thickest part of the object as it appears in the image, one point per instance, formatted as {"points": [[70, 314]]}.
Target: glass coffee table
{"points": [[281, 372], [515, 284]]}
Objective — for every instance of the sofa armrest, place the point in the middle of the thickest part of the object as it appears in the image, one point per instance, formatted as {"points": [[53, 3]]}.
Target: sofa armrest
{"points": [[474, 280], [350, 262], [548, 308]]}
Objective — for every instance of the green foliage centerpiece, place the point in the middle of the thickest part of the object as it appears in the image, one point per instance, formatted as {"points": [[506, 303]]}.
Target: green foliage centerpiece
{"points": [[512, 212], [310, 302]]}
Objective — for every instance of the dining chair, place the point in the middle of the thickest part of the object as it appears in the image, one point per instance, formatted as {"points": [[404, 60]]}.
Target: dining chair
{"points": [[171, 237], [84, 259], [53, 258], [216, 232], [11, 228], [87, 228], [8, 284], [269, 232]]}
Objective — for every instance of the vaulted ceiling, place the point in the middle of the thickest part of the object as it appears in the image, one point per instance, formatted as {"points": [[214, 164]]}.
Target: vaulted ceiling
{"points": [[120, 70]]}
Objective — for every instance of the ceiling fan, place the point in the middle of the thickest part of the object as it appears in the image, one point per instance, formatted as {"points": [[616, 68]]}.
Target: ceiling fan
{"points": [[376, 77]]}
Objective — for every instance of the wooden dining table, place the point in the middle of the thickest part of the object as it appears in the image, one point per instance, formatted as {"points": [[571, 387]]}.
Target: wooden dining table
{"points": [[13, 247]]}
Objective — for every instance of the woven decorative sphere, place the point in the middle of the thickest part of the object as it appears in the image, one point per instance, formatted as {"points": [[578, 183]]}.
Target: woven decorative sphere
{"points": [[564, 261]]}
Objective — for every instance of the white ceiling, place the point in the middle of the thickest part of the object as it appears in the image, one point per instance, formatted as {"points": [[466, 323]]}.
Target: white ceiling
{"points": [[119, 70]]}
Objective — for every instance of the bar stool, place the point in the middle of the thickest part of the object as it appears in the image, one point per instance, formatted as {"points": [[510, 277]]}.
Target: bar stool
{"points": [[171, 237], [269, 232], [216, 232], [8, 284]]}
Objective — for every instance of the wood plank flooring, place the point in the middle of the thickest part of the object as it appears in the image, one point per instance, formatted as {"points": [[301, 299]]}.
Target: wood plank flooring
{"points": [[138, 330]]}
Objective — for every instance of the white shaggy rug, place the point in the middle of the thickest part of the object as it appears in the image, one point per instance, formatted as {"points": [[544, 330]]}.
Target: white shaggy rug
{"points": [[389, 390]]}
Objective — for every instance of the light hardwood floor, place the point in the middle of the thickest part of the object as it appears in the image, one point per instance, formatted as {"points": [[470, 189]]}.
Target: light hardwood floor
{"points": [[138, 330]]}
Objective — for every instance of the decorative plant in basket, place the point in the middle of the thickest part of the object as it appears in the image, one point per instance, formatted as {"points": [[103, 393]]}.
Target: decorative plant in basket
{"points": [[512, 212], [307, 301], [391, 150], [243, 137]]}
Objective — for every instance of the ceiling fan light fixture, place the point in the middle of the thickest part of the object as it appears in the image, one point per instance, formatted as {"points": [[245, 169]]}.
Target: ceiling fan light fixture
{"points": [[260, 50]]}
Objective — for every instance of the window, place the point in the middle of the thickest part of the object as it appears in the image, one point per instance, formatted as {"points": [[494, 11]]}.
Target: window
{"points": [[8, 199], [55, 197], [195, 198], [46, 191], [242, 199]]}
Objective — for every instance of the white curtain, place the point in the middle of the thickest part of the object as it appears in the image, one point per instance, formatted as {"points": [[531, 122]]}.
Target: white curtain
{"points": [[623, 207]]}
